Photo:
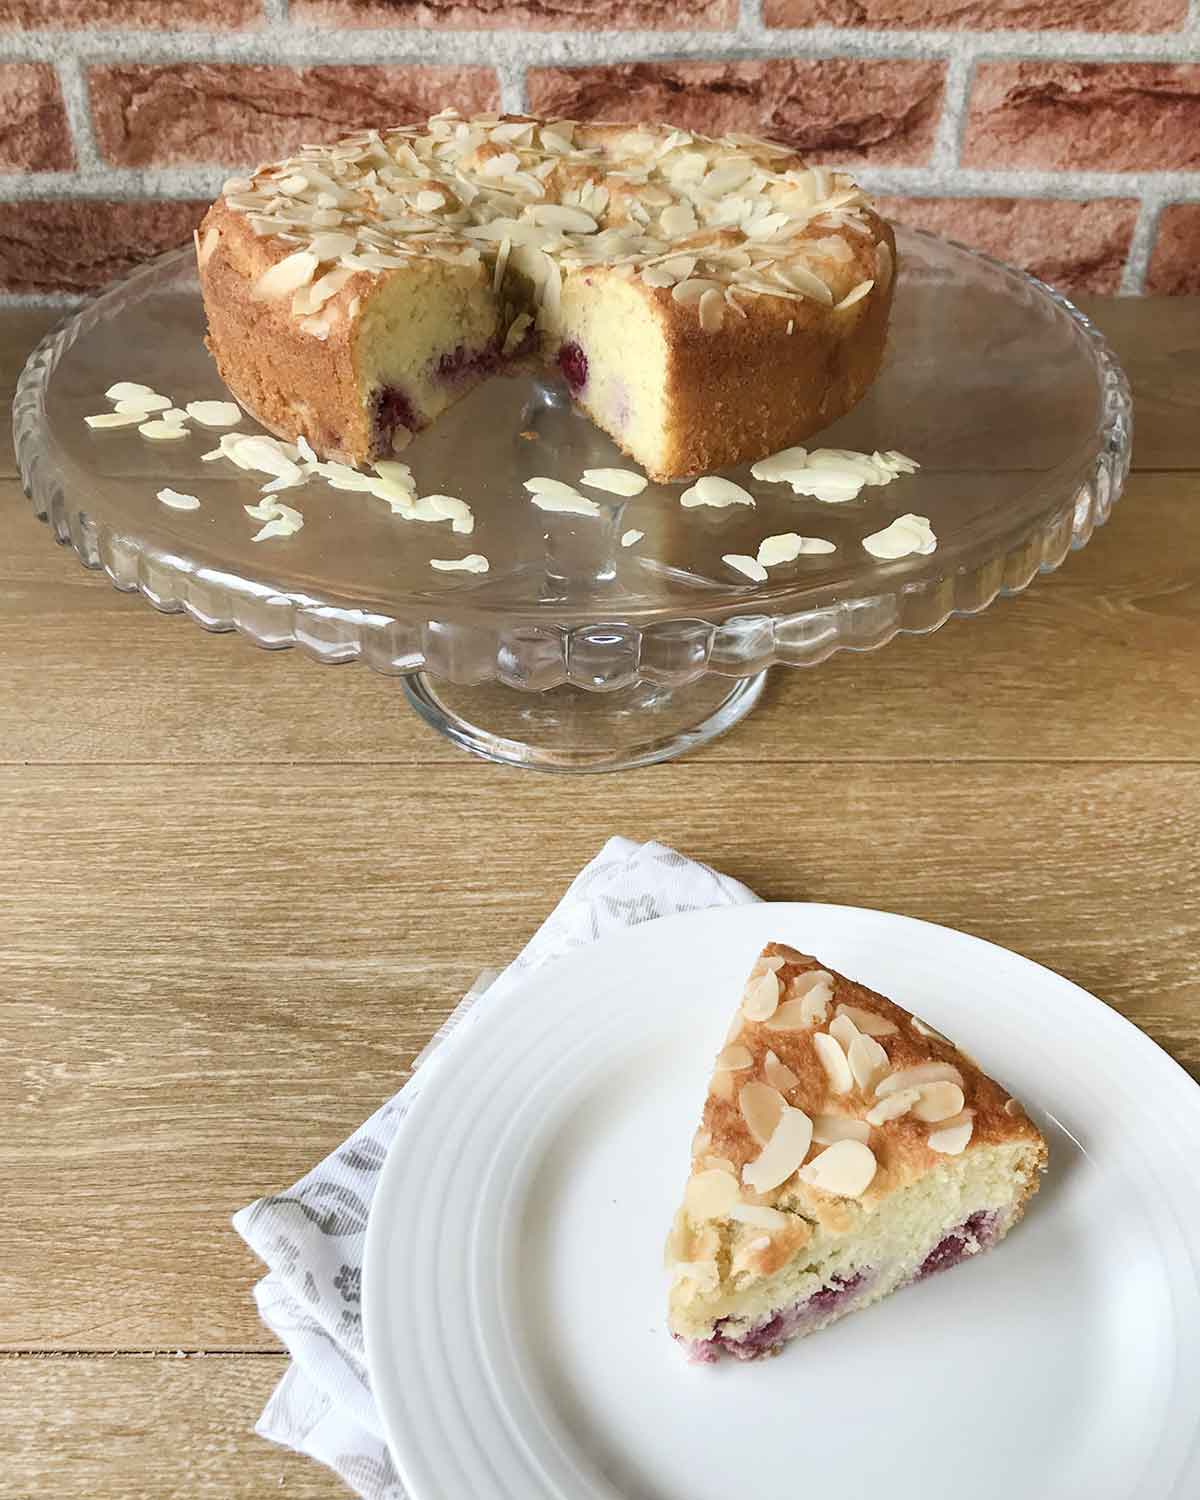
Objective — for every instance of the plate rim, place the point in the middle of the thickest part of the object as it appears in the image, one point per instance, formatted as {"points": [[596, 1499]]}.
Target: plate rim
{"points": [[410, 1464]]}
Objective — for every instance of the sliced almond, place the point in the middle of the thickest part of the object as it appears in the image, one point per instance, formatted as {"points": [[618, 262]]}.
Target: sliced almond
{"points": [[951, 1136], [814, 990], [868, 1062], [868, 1022], [733, 1058], [792, 1015], [843, 1030], [828, 1129], [915, 1077], [1014, 1107], [761, 1107], [288, 275], [710, 1194], [778, 1074], [845, 1169], [701, 1141], [938, 1101], [759, 1217], [712, 311], [761, 999], [833, 1060], [782, 1154], [115, 419], [892, 1106], [855, 294]]}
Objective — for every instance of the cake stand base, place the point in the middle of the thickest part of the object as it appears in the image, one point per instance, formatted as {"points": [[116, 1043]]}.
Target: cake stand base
{"points": [[571, 729]]}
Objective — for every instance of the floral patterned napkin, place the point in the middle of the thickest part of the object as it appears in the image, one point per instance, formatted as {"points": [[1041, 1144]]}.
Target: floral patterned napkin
{"points": [[311, 1237]]}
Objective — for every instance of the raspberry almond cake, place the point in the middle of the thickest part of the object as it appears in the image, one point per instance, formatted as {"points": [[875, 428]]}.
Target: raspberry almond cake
{"points": [[708, 301], [846, 1150]]}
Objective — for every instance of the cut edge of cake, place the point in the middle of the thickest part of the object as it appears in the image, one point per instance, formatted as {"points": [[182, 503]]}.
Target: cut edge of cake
{"points": [[847, 1149]]}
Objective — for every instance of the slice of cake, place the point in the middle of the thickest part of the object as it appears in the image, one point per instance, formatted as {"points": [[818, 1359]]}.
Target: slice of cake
{"points": [[846, 1150]]}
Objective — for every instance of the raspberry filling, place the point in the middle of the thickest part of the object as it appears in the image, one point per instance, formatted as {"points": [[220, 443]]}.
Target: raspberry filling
{"points": [[460, 363], [973, 1235], [968, 1239], [393, 410], [572, 361]]}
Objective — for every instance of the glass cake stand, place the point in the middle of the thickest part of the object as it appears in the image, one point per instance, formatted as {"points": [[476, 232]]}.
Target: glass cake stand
{"points": [[574, 652]]}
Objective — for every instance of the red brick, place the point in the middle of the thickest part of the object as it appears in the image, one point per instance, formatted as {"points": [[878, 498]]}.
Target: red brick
{"points": [[1079, 247], [1116, 117], [531, 15], [34, 134], [1175, 261], [982, 15], [207, 112], [144, 15], [74, 245], [839, 110]]}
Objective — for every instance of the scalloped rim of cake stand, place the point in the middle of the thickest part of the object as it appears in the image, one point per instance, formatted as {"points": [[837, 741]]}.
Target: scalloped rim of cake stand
{"points": [[672, 652]]}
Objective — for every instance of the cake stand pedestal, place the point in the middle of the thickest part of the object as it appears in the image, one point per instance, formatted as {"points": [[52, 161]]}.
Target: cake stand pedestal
{"points": [[571, 729], [574, 652]]}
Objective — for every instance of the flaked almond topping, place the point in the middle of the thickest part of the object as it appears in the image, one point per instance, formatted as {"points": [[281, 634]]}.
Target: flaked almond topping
{"points": [[712, 311], [759, 1216], [733, 1058], [778, 1074], [206, 246], [938, 1101], [868, 1062], [701, 1141], [693, 289], [1014, 1107], [474, 562], [614, 481], [833, 1060], [631, 538], [952, 1136], [843, 1030], [855, 294], [761, 1106], [782, 1154], [828, 1129], [814, 991], [554, 495], [774, 962], [710, 1195], [741, 562], [761, 997], [291, 273], [924, 1030], [892, 1106], [845, 1169], [917, 1076], [868, 1022]]}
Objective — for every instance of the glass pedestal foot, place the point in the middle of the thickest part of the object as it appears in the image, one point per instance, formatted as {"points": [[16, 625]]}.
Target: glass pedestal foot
{"points": [[570, 729]]}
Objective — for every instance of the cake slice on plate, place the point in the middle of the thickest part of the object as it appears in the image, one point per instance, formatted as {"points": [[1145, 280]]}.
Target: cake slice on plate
{"points": [[846, 1150]]}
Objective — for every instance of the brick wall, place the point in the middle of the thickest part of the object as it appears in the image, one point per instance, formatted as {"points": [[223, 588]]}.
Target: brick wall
{"points": [[1063, 135]]}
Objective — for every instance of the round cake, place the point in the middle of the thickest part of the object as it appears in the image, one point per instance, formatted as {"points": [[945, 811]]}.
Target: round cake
{"points": [[707, 300]]}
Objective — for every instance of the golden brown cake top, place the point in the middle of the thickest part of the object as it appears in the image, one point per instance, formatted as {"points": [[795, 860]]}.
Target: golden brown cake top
{"points": [[826, 1091], [719, 221]]}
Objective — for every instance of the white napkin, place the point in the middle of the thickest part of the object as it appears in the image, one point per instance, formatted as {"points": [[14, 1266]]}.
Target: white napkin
{"points": [[311, 1237]]}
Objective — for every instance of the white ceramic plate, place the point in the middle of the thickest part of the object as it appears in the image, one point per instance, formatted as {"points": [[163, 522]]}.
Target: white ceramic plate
{"points": [[514, 1295]]}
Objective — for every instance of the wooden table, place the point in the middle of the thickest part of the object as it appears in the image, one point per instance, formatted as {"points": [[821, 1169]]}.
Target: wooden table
{"points": [[239, 892]]}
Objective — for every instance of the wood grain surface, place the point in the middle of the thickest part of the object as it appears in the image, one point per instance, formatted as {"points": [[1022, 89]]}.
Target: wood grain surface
{"points": [[238, 893]]}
